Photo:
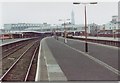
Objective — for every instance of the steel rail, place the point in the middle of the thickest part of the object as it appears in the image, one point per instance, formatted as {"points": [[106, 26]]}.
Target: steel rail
{"points": [[21, 45], [11, 48], [10, 53], [31, 62], [3, 76]]}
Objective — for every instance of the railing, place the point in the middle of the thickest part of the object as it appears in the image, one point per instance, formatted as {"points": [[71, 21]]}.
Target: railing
{"points": [[106, 42]]}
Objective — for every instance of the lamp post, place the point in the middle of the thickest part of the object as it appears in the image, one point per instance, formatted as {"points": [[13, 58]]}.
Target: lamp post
{"points": [[65, 31], [114, 30], [86, 44], [56, 31]]}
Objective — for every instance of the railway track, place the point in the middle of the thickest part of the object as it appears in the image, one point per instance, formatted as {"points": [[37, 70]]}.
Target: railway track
{"points": [[29, 71], [20, 69], [10, 51], [9, 48], [6, 52], [11, 55]]}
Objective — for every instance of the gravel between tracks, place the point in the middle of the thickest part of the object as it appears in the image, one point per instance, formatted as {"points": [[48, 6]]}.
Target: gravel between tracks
{"points": [[18, 76]]}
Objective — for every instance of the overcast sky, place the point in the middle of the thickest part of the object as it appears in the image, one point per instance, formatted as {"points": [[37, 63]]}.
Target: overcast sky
{"points": [[51, 12]]}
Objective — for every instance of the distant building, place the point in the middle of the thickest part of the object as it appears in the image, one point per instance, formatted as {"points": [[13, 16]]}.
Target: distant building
{"points": [[72, 18], [111, 27], [93, 29], [113, 24], [7, 26], [40, 28], [114, 18], [119, 10], [119, 14], [25, 26]]}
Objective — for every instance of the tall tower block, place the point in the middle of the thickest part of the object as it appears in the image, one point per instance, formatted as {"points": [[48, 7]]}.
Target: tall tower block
{"points": [[119, 14], [72, 18]]}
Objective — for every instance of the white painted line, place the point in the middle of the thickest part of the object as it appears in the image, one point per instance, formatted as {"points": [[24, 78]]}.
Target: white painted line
{"points": [[46, 62], [37, 77], [38, 65], [54, 71], [53, 68], [96, 60], [47, 67]]}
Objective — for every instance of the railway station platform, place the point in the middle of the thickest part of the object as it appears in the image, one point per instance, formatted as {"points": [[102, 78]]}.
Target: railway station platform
{"points": [[64, 62], [58, 61], [99, 38], [8, 41], [47, 67]]}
